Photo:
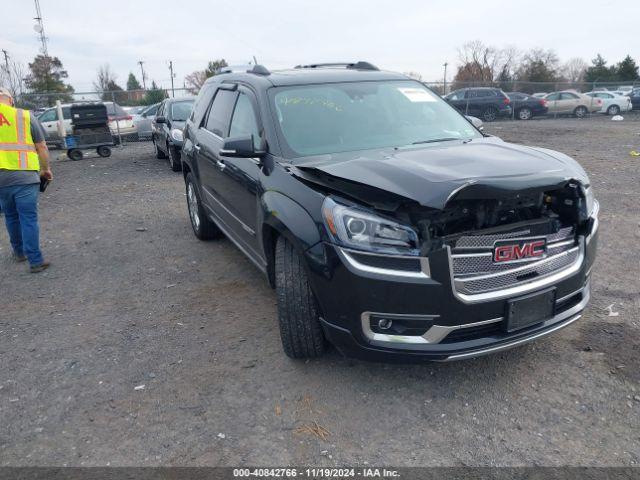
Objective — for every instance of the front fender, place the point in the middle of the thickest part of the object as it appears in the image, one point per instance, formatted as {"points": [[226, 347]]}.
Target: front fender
{"points": [[290, 219]]}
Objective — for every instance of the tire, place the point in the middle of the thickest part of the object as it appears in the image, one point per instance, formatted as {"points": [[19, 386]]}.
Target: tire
{"points": [[159, 153], [75, 154], [104, 151], [203, 227], [524, 113], [298, 316], [490, 114], [174, 159], [581, 112], [613, 110]]}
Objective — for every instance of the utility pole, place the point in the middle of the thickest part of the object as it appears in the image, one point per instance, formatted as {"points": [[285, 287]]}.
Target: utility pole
{"points": [[444, 92], [173, 93], [144, 83], [6, 60], [40, 29]]}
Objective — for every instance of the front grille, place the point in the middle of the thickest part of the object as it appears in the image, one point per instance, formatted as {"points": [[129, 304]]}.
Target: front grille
{"points": [[476, 272]]}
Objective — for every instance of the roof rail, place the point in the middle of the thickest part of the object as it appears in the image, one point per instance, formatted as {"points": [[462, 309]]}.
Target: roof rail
{"points": [[350, 65], [255, 69]]}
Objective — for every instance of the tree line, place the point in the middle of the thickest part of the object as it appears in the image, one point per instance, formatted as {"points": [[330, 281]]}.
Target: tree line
{"points": [[510, 69]]}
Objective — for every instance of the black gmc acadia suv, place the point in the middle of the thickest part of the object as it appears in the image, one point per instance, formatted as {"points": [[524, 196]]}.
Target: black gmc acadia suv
{"points": [[387, 223]]}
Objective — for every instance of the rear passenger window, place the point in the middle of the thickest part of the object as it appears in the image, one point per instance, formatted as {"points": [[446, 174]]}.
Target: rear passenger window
{"points": [[244, 120], [220, 112], [66, 113]]}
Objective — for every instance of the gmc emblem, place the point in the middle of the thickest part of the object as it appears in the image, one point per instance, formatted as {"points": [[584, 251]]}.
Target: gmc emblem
{"points": [[515, 250]]}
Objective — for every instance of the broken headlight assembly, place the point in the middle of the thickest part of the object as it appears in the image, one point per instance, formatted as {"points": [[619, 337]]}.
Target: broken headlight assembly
{"points": [[591, 203], [361, 230], [176, 135]]}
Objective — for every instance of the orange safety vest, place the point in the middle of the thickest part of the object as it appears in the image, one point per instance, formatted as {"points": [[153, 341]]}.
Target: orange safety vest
{"points": [[17, 150]]}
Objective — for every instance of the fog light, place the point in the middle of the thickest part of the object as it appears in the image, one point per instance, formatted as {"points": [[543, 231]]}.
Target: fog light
{"points": [[385, 324]]}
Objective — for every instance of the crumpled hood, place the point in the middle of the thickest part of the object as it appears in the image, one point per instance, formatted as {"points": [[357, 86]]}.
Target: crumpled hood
{"points": [[435, 174]]}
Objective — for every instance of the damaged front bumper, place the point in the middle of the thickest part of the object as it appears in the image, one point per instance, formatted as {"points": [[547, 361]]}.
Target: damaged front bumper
{"points": [[432, 316]]}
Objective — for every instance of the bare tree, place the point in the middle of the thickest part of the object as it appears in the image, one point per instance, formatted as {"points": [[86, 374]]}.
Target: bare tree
{"points": [[485, 64], [105, 79], [574, 70], [195, 80], [12, 74]]}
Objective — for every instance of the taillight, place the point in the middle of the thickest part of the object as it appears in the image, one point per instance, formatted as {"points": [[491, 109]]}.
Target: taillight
{"points": [[128, 117], [543, 102], [506, 101]]}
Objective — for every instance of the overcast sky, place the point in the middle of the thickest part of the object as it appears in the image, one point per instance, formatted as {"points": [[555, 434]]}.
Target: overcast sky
{"points": [[400, 35]]}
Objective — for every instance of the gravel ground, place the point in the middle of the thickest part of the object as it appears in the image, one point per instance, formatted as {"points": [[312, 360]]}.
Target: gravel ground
{"points": [[143, 346]]}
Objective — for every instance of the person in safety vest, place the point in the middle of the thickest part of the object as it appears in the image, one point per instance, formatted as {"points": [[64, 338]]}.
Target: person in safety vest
{"points": [[24, 158]]}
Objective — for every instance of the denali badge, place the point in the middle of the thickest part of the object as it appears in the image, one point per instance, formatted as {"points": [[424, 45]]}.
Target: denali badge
{"points": [[515, 250]]}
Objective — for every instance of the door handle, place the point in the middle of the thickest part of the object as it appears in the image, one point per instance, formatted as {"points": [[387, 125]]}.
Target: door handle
{"points": [[196, 148], [220, 164]]}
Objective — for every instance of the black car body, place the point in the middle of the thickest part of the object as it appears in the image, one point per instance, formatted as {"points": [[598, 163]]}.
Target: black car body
{"points": [[635, 98], [486, 103], [525, 106], [440, 249], [166, 129]]}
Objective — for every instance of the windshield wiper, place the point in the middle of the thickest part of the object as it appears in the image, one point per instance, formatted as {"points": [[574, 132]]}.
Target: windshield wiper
{"points": [[447, 139]]}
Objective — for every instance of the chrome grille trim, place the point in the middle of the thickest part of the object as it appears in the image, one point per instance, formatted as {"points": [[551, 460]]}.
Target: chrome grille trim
{"points": [[509, 277], [487, 241]]}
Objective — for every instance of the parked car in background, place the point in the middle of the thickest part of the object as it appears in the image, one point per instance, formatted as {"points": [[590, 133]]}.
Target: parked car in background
{"points": [[527, 106], [134, 110], [167, 129], [635, 99], [625, 88], [612, 104], [572, 103], [119, 122], [49, 120], [143, 120], [486, 103]]}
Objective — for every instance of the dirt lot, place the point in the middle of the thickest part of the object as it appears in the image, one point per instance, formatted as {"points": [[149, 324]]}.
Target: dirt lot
{"points": [[133, 299]]}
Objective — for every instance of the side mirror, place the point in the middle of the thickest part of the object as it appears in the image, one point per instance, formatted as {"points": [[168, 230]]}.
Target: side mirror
{"points": [[240, 147], [161, 119], [476, 122]]}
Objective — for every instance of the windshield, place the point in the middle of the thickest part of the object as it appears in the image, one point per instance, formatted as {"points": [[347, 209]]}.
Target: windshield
{"points": [[342, 117], [180, 111]]}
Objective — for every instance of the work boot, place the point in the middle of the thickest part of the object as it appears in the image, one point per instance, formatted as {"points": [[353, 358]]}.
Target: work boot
{"points": [[39, 268]]}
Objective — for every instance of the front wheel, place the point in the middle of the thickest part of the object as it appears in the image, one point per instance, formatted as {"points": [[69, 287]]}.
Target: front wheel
{"points": [[298, 315], [159, 153], [580, 112], [75, 154], [203, 227], [525, 114], [490, 114]]}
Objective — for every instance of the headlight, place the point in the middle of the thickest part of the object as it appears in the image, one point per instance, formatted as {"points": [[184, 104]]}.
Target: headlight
{"points": [[591, 202], [361, 230], [177, 135]]}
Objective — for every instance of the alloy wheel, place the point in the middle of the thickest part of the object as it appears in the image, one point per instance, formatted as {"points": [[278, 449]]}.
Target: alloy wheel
{"points": [[192, 201]]}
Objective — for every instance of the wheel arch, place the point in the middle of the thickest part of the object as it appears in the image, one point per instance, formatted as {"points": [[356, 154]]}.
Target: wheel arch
{"points": [[282, 216]]}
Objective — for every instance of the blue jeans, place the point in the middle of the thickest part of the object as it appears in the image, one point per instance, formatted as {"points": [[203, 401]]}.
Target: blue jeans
{"points": [[20, 207]]}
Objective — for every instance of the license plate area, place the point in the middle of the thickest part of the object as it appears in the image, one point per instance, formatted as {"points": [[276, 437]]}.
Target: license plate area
{"points": [[531, 309]]}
